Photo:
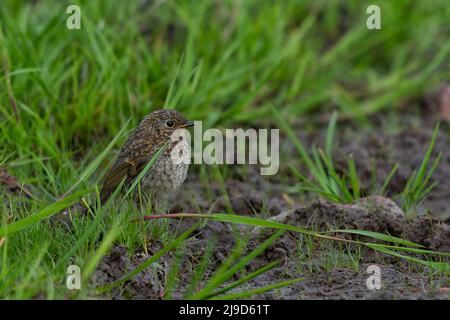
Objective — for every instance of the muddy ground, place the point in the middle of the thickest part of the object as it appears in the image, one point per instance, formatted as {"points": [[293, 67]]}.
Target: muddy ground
{"points": [[379, 146]]}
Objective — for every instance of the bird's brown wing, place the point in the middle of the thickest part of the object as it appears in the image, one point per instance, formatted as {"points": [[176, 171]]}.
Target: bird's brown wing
{"points": [[123, 169]]}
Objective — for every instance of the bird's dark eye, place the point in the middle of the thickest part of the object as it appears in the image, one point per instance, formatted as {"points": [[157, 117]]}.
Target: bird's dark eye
{"points": [[169, 123]]}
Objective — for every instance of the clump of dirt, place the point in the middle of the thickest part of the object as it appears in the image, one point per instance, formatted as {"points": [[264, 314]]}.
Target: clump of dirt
{"points": [[377, 153], [372, 213], [146, 285], [377, 214], [12, 185]]}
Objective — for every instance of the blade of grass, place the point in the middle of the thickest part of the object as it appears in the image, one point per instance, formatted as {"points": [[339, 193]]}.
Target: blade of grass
{"points": [[432, 264], [244, 279], [252, 292], [330, 135], [388, 180], [354, 180], [107, 242], [42, 214], [221, 277], [378, 236], [423, 167], [276, 225]]}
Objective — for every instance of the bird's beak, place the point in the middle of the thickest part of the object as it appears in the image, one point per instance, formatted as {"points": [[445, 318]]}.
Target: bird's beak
{"points": [[187, 124]]}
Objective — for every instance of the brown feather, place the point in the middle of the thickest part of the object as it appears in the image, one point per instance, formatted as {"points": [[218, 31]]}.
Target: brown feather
{"points": [[123, 170], [116, 175]]}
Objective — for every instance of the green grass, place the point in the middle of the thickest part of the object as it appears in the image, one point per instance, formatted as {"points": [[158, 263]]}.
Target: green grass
{"points": [[325, 181], [346, 187], [419, 184], [67, 99]]}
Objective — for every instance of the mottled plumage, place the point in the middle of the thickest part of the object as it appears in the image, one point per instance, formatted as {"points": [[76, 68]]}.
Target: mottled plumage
{"points": [[167, 174]]}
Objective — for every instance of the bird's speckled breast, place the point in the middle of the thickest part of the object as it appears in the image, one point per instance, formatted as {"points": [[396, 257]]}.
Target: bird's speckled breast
{"points": [[169, 171]]}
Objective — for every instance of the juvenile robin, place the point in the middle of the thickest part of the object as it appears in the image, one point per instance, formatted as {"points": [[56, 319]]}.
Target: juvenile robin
{"points": [[165, 128]]}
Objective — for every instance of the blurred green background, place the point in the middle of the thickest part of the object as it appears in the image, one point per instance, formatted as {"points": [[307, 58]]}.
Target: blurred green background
{"points": [[218, 61]]}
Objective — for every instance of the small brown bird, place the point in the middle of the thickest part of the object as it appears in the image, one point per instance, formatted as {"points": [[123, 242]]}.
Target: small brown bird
{"points": [[161, 128]]}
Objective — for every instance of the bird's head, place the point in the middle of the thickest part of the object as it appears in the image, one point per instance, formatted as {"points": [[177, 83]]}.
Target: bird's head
{"points": [[164, 122]]}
